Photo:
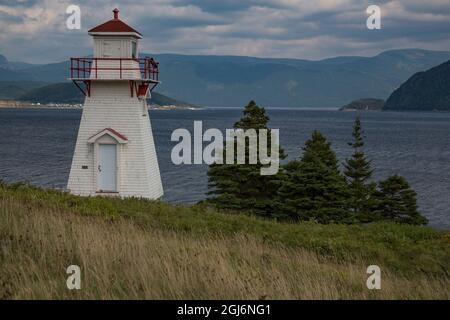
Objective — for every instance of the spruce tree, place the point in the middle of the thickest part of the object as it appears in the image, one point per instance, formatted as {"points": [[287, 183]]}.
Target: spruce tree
{"points": [[241, 186], [313, 188], [397, 201], [358, 172]]}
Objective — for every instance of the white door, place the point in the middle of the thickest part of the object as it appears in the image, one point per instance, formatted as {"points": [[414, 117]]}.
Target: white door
{"points": [[107, 167]]}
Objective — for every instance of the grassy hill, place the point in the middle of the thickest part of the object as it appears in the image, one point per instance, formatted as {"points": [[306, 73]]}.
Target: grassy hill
{"points": [[148, 249], [65, 92], [10, 90]]}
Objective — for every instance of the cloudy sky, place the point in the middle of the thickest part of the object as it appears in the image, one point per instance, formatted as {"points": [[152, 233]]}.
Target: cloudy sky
{"points": [[35, 30]]}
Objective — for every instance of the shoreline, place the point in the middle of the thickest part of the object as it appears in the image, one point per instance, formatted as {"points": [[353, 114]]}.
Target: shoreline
{"points": [[15, 104]]}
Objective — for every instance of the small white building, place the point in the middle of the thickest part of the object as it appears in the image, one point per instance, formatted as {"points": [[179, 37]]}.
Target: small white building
{"points": [[115, 153]]}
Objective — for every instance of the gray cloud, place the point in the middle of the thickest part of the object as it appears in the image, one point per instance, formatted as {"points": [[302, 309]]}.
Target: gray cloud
{"points": [[34, 30], [18, 3]]}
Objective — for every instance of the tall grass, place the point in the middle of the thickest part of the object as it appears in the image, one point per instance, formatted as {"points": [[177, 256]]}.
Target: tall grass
{"points": [[141, 249]]}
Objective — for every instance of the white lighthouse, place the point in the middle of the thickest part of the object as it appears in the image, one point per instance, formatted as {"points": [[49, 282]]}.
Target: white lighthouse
{"points": [[115, 153]]}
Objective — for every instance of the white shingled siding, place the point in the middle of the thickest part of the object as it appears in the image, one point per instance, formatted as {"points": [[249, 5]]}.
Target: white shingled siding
{"points": [[111, 106]]}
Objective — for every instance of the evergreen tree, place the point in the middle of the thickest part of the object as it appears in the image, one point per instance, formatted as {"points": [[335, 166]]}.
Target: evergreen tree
{"points": [[358, 172], [313, 188], [397, 201], [241, 186]]}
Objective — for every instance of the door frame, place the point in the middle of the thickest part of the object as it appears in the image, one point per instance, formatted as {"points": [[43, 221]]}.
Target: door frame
{"points": [[107, 136], [99, 162]]}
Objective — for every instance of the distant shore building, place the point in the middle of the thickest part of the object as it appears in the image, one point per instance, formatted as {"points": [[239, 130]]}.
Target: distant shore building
{"points": [[115, 152]]}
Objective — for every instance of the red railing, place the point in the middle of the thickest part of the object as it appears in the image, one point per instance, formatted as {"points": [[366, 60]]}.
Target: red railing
{"points": [[89, 68]]}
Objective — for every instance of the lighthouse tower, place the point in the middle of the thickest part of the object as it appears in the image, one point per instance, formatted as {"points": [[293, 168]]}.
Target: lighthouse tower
{"points": [[115, 153]]}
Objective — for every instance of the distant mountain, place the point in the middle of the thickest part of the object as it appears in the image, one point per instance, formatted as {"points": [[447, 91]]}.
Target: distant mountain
{"points": [[230, 81], [67, 92], [15, 89], [3, 62], [424, 91], [10, 65], [367, 104], [233, 81]]}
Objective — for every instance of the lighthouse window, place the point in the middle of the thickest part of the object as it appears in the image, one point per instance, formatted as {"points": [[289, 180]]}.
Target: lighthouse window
{"points": [[134, 50]]}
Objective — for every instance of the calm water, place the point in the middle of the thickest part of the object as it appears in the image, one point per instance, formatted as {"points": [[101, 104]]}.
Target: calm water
{"points": [[37, 146]]}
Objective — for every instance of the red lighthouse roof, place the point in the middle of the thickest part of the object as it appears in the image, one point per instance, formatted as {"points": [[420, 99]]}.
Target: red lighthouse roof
{"points": [[115, 26]]}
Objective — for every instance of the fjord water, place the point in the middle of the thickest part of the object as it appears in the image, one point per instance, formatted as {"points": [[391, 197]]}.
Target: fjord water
{"points": [[36, 145]]}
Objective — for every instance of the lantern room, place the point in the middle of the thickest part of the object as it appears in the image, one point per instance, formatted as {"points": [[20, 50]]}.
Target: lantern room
{"points": [[115, 57], [115, 39]]}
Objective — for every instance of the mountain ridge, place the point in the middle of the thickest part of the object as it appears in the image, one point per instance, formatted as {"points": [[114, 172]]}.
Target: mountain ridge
{"points": [[232, 81]]}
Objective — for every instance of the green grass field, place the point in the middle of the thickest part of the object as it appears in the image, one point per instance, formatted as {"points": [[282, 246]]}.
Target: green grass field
{"points": [[136, 249]]}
